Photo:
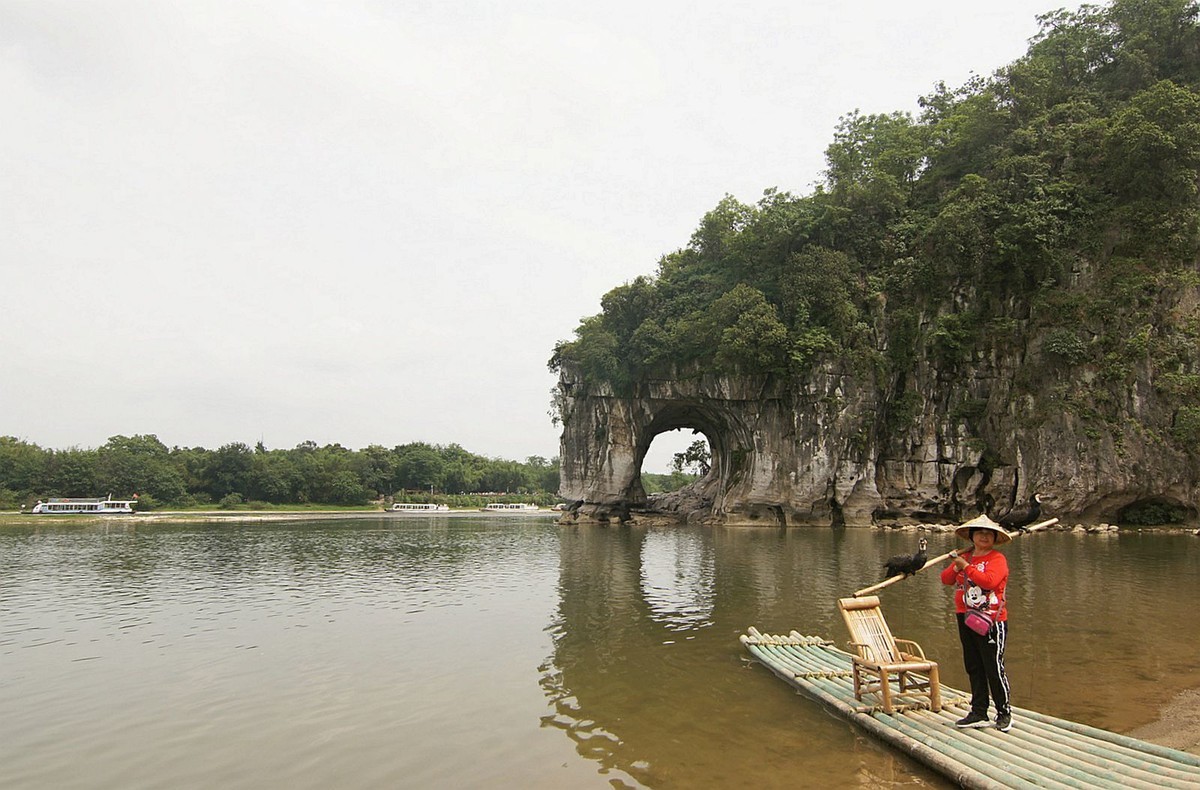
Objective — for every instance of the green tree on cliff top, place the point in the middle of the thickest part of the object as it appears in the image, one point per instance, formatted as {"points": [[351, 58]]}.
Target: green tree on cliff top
{"points": [[1057, 196]]}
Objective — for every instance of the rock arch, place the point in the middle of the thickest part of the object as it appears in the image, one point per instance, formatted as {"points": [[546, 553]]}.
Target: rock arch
{"points": [[830, 450], [749, 426]]}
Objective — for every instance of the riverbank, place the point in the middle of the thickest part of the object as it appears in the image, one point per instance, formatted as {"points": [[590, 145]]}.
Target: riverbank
{"points": [[227, 516], [1178, 725], [183, 516]]}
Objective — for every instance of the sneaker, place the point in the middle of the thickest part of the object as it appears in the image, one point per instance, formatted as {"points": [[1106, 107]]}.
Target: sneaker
{"points": [[1004, 722], [974, 719]]}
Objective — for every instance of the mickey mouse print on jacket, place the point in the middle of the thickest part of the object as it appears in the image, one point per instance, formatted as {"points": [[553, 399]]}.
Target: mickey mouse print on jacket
{"points": [[983, 581]]}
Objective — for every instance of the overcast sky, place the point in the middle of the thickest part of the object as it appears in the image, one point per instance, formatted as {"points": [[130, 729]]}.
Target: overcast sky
{"points": [[369, 222]]}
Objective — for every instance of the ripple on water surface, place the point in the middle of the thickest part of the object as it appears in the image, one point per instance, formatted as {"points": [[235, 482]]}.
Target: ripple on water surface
{"points": [[367, 654]]}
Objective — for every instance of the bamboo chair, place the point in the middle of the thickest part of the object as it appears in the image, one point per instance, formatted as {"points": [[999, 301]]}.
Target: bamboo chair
{"points": [[878, 655]]}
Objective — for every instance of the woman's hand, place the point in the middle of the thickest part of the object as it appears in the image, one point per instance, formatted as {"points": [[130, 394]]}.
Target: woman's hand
{"points": [[960, 563]]}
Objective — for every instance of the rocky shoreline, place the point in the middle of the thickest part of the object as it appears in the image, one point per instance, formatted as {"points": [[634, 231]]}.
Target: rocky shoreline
{"points": [[1089, 529]]}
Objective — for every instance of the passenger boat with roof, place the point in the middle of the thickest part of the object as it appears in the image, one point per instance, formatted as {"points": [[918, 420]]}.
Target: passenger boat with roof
{"points": [[87, 506], [505, 507], [418, 507]]}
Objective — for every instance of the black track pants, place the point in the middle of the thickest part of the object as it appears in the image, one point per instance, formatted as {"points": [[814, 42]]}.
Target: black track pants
{"points": [[983, 658]]}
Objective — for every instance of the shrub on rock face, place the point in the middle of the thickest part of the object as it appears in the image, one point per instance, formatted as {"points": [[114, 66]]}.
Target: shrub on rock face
{"points": [[1065, 344], [1187, 426]]}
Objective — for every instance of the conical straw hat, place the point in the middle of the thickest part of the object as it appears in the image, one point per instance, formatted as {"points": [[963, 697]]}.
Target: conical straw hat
{"points": [[983, 522]]}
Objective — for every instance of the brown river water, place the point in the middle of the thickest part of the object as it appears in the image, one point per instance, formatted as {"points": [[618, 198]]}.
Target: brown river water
{"points": [[444, 651]]}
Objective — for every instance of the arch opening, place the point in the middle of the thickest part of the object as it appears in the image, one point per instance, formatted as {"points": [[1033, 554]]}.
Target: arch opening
{"points": [[676, 458], [698, 427]]}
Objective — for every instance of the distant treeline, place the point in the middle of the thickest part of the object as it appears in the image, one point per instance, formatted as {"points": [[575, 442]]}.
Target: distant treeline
{"points": [[236, 473]]}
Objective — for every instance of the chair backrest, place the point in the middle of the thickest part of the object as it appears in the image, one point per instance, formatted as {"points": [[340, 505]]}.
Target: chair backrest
{"points": [[864, 619]]}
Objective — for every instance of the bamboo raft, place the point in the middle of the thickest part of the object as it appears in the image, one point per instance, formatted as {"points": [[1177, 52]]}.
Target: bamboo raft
{"points": [[1040, 751]]}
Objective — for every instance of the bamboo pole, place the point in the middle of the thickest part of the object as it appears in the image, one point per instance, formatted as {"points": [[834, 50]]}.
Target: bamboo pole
{"points": [[940, 559]]}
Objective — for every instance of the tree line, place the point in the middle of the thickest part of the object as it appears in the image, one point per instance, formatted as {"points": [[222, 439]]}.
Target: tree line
{"points": [[235, 473]]}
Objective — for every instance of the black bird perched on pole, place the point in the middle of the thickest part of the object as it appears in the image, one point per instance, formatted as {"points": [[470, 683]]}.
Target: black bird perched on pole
{"points": [[1019, 518], [907, 564]]}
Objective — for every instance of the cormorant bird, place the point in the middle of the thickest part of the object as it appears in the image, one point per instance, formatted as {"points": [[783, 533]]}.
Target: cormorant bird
{"points": [[907, 564], [1019, 518]]}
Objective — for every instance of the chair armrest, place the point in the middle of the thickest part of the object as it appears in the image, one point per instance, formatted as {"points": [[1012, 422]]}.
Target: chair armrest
{"points": [[916, 649], [866, 652]]}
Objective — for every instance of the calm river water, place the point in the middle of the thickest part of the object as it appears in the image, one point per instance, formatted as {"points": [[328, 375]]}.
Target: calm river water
{"points": [[457, 652]]}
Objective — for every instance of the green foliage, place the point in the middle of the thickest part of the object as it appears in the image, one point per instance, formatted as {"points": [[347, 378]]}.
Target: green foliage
{"points": [[1059, 194], [21, 464], [747, 331], [904, 411], [234, 474], [1152, 514], [146, 502], [969, 409], [953, 338], [1182, 385], [1186, 430], [661, 484], [9, 499], [138, 464], [696, 459], [1066, 345]]}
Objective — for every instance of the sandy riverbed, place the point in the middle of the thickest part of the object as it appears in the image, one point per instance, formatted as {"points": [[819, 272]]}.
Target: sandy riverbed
{"points": [[1178, 725]]}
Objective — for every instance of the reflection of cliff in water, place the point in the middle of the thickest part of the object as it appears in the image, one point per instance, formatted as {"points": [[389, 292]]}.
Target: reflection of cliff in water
{"points": [[646, 675], [678, 579], [601, 644]]}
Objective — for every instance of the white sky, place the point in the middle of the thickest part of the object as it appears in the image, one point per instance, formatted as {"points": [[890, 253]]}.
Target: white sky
{"points": [[369, 222]]}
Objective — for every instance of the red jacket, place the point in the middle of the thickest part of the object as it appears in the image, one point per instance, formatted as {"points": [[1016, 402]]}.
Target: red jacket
{"points": [[989, 571]]}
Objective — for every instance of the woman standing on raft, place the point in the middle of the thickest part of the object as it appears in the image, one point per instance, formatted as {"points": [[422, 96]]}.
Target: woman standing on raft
{"points": [[980, 577]]}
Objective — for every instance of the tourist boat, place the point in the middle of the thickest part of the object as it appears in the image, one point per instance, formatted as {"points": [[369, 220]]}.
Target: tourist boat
{"points": [[502, 507], [419, 507], [91, 506]]}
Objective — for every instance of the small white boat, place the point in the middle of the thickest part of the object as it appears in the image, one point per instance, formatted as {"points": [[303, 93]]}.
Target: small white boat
{"points": [[92, 506], [501, 507], [418, 507]]}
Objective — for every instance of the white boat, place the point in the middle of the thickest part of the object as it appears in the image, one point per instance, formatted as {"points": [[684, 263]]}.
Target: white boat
{"points": [[501, 507], [96, 505], [418, 507]]}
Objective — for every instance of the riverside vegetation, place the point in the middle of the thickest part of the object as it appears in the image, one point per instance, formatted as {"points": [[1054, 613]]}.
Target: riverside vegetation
{"points": [[1011, 273], [235, 474]]}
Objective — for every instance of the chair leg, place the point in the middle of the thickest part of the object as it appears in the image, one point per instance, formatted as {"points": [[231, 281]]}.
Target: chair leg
{"points": [[935, 690], [885, 690]]}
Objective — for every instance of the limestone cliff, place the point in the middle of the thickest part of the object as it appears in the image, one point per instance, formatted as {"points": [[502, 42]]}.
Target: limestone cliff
{"points": [[840, 447]]}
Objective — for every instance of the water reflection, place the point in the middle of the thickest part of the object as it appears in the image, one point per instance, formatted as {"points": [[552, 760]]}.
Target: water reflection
{"points": [[380, 653], [645, 676], [678, 582], [274, 655]]}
